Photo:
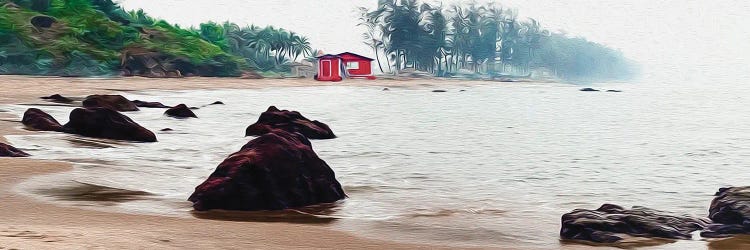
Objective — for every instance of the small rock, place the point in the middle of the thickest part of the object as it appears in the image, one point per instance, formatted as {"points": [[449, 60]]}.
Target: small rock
{"points": [[386, 89], [589, 90], [180, 111], [143, 104], [113, 102], [37, 119], [57, 98], [166, 129], [290, 121], [217, 103], [10, 151], [614, 90], [106, 123], [439, 91]]}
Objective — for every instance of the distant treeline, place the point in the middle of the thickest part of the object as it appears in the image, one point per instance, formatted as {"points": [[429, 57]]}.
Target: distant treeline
{"points": [[98, 37], [481, 40]]}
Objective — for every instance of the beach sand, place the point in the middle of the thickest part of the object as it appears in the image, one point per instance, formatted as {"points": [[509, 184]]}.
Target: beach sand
{"points": [[31, 224]]}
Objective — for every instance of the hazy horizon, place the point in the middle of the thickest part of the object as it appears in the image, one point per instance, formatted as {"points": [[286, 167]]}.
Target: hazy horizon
{"points": [[692, 38]]}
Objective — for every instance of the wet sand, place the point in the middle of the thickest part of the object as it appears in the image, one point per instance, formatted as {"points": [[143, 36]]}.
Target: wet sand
{"points": [[32, 224]]}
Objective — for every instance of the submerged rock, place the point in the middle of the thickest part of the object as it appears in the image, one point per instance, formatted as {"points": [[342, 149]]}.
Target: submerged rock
{"points": [[57, 98], [37, 119], [439, 91], [143, 104], [611, 223], [277, 170], [217, 103], [589, 90], [180, 111], [10, 151], [166, 129], [113, 102], [614, 90], [730, 210], [290, 121], [106, 123]]}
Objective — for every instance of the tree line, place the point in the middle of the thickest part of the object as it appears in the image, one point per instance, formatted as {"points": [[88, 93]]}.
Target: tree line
{"points": [[479, 39]]}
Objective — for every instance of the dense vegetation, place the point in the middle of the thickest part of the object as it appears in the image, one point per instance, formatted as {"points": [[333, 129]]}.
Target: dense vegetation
{"points": [[98, 37], [480, 39]]}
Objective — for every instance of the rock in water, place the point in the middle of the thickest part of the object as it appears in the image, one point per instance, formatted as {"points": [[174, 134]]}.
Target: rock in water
{"points": [[610, 223], [113, 102], [217, 103], [180, 111], [731, 211], [106, 123], [290, 121], [439, 91], [278, 170], [10, 151], [36, 119], [57, 98], [143, 104], [588, 90]]}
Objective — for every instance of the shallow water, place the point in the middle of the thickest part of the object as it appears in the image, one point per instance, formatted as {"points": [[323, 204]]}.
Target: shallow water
{"points": [[495, 165]]}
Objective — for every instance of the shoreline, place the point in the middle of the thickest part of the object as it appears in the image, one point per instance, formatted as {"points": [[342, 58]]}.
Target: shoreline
{"points": [[32, 223]]}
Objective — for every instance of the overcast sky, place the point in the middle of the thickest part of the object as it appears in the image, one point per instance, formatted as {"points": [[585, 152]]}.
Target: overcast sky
{"points": [[670, 35]]}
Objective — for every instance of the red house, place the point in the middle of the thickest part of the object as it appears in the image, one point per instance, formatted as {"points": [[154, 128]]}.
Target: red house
{"points": [[331, 67]]}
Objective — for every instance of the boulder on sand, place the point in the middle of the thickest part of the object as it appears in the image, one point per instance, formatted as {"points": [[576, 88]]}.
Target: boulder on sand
{"points": [[106, 123], [37, 119], [180, 111], [143, 104], [290, 121], [113, 102], [10, 151], [611, 223], [277, 170]]}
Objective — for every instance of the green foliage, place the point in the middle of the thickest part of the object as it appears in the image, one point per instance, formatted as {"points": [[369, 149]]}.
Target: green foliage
{"points": [[484, 39], [89, 37]]}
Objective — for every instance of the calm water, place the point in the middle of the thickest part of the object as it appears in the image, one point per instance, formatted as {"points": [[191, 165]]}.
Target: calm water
{"points": [[495, 165]]}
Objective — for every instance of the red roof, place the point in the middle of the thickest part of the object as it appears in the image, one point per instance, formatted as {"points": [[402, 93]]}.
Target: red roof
{"points": [[355, 55]]}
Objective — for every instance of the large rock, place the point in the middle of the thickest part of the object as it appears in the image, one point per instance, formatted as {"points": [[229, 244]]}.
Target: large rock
{"points": [[10, 151], [275, 171], [612, 223], [106, 123], [36, 119], [113, 102], [730, 210], [290, 121], [180, 111], [143, 104]]}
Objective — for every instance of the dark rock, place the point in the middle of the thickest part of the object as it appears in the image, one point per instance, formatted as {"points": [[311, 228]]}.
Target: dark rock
{"points": [[180, 111], [10, 151], [290, 121], [217, 103], [194, 108], [614, 90], [143, 104], [732, 208], [106, 123], [589, 90], [113, 102], [386, 89], [36, 119], [462, 90], [166, 129], [278, 170], [57, 98], [723, 230], [43, 21], [439, 91], [610, 222]]}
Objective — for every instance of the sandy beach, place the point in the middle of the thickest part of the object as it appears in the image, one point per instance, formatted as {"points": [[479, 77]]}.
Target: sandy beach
{"points": [[31, 224]]}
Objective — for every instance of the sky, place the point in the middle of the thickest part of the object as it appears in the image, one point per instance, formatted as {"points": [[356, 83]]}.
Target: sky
{"points": [[693, 38]]}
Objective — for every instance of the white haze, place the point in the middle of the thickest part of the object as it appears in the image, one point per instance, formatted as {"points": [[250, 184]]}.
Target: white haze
{"points": [[675, 40]]}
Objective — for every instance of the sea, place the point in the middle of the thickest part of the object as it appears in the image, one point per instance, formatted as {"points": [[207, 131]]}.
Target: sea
{"points": [[479, 165]]}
